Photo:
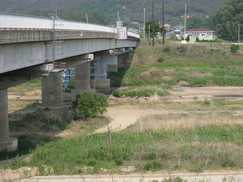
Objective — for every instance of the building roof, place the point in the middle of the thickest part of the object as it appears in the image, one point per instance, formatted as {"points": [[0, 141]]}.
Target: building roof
{"points": [[200, 30]]}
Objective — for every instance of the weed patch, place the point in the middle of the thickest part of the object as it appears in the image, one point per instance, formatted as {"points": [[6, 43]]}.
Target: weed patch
{"points": [[140, 92], [192, 149]]}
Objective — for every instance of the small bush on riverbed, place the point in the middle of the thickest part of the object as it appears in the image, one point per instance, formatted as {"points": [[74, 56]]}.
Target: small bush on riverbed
{"points": [[88, 105]]}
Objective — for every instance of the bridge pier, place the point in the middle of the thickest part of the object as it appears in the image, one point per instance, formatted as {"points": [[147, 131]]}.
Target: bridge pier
{"points": [[82, 80], [125, 60], [101, 83], [112, 64], [52, 97], [6, 143]]}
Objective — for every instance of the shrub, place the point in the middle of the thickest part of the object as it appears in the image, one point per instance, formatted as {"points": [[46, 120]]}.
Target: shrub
{"points": [[188, 38], [234, 48], [160, 60], [177, 179], [88, 105], [166, 49], [153, 165], [197, 39]]}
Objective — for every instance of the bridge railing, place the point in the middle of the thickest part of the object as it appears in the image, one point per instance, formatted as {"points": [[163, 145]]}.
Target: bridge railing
{"points": [[9, 21], [131, 34], [14, 21]]}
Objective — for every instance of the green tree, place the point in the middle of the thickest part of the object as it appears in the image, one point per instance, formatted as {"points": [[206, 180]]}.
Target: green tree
{"points": [[227, 19], [149, 28]]}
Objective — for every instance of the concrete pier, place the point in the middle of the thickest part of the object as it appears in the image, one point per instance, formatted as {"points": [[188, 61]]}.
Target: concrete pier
{"points": [[6, 143], [82, 80], [125, 60], [52, 97], [112, 64], [101, 83], [4, 128]]}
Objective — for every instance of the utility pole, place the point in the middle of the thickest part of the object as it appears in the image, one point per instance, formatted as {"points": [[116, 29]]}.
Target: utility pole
{"points": [[87, 18], [185, 24], [238, 33], [153, 22], [163, 21], [144, 22], [118, 16]]}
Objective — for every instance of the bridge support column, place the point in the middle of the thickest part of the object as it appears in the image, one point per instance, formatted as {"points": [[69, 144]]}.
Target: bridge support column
{"points": [[82, 80], [52, 98], [101, 83], [125, 60], [6, 143], [112, 64]]}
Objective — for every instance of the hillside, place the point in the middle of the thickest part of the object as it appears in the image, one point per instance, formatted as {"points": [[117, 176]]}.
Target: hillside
{"points": [[104, 12]]}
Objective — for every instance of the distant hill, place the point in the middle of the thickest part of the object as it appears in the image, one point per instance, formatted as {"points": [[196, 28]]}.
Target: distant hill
{"points": [[105, 11]]}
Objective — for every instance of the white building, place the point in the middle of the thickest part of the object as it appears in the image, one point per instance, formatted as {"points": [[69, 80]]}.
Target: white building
{"points": [[201, 34]]}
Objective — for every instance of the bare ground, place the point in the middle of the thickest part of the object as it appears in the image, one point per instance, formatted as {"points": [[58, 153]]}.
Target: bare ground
{"points": [[206, 92]]}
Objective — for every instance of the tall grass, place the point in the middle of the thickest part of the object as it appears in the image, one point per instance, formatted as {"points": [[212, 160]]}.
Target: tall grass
{"points": [[198, 148], [187, 120]]}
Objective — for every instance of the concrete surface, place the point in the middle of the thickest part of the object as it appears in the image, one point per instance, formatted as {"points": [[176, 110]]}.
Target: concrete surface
{"points": [[236, 176]]}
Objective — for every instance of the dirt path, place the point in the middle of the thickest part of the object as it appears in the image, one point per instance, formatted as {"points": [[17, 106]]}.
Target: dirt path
{"points": [[122, 117], [206, 92], [125, 115]]}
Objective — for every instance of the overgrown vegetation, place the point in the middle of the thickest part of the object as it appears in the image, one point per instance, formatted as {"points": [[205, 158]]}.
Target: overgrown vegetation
{"points": [[234, 48], [26, 144], [89, 105], [140, 92], [37, 121], [195, 149]]}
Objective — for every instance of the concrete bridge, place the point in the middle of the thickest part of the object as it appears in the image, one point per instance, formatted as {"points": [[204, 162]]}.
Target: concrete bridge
{"points": [[32, 47]]}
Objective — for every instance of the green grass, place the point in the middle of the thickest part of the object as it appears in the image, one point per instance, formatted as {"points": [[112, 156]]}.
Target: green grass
{"points": [[169, 76], [194, 149], [35, 120], [140, 92], [26, 145], [199, 65]]}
